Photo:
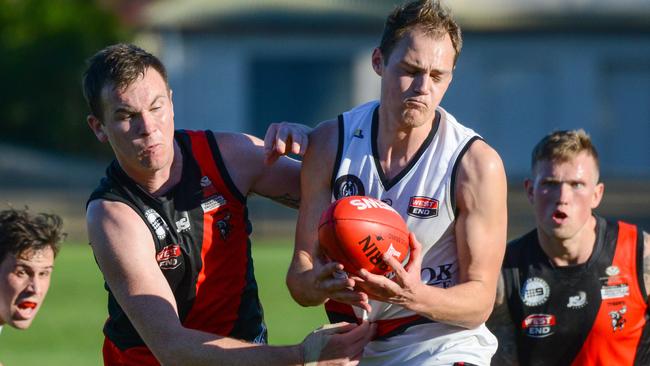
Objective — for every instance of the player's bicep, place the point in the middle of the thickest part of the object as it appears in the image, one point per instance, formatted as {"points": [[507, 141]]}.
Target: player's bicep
{"points": [[482, 214], [244, 158], [125, 252]]}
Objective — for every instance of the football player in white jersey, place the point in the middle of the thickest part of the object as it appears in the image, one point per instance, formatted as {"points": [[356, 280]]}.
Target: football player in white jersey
{"points": [[415, 61]]}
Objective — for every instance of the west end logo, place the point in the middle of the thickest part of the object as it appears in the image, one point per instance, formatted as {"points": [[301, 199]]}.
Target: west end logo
{"points": [[348, 185], [423, 207]]}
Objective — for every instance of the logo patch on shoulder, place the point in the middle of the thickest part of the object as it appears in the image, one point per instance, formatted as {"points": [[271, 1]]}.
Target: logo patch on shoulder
{"points": [[157, 223], [168, 257], [423, 207], [538, 325], [348, 185], [535, 291], [212, 203]]}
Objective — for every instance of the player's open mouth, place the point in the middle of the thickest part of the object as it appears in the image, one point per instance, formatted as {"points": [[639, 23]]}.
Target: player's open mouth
{"points": [[559, 217], [26, 310], [27, 305]]}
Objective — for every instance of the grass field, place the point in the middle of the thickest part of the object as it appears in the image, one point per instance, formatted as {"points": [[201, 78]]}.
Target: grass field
{"points": [[67, 330]]}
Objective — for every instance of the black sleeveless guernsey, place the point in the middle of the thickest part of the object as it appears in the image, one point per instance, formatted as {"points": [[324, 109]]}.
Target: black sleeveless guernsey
{"points": [[201, 233], [589, 314]]}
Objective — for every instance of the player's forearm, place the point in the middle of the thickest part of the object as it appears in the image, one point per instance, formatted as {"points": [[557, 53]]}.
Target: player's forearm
{"points": [[200, 348], [467, 305]]}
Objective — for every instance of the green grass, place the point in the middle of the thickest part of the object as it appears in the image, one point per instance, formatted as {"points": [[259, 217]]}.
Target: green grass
{"points": [[67, 330]]}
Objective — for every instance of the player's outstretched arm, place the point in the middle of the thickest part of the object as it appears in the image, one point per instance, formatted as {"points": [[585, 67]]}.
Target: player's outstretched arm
{"points": [[285, 138], [310, 277], [480, 239], [500, 323], [125, 253], [244, 158]]}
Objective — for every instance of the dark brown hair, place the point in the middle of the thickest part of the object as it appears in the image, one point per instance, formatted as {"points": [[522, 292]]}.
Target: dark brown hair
{"points": [[560, 146], [118, 65], [427, 15], [21, 231]]}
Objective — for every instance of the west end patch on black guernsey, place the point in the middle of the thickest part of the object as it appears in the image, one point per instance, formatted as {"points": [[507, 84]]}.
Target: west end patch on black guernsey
{"points": [[177, 222], [554, 308]]}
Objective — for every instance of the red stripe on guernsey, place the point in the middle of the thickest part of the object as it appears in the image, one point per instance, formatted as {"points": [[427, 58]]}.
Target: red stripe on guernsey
{"points": [[387, 326], [384, 326], [612, 342], [222, 277], [332, 306], [134, 356]]}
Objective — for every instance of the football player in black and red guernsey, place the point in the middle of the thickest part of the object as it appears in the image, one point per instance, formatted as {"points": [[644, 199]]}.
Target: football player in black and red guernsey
{"points": [[170, 231], [574, 291]]}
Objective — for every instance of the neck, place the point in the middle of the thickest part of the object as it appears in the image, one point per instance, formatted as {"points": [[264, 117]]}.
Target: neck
{"points": [[572, 251], [398, 143]]}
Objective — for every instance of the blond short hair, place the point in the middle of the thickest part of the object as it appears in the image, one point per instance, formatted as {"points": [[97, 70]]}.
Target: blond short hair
{"points": [[561, 146]]}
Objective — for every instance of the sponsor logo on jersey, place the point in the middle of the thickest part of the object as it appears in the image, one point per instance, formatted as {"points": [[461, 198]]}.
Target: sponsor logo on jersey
{"points": [[205, 182], [423, 207], [538, 325], [183, 224], [615, 285], [614, 291], [168, 257], [348, 185], [358, 133], [212, 203], [207, 186], [617, 318], [535, 291], [157, 223], [578, 301], [439, 276], [223, 224]]}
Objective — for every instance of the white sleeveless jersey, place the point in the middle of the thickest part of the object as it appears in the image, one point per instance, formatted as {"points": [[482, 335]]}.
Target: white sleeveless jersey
{"points": [[423, 194]]}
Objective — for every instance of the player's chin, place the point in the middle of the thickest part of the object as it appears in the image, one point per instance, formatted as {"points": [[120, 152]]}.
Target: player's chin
{"points": [[22, 324]]}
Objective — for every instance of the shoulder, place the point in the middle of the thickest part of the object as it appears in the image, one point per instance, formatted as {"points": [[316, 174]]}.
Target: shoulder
{"points": [[481, 158], [325, 136], [101, 212]]}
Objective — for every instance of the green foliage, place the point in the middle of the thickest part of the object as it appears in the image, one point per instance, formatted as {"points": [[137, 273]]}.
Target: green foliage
{"points": [[43, 47], [67, 330]]}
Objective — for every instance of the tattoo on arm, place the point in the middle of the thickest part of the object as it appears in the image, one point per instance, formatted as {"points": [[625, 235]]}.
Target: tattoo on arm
{"points": [[503, 328], [646, 262]]}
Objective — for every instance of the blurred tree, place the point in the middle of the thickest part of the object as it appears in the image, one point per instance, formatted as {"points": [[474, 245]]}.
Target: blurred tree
{"points": [[43, 48]]}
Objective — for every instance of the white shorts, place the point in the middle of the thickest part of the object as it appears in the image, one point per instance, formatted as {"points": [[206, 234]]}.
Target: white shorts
{"points": [[433, 344]]}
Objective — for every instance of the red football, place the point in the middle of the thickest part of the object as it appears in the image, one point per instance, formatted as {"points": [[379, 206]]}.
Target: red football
{"points": [[356, 231]]}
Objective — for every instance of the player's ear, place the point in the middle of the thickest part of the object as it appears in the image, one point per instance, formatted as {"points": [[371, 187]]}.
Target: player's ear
{"points": [[599, 190], [529, 188], [377, 61], [98, 127]]}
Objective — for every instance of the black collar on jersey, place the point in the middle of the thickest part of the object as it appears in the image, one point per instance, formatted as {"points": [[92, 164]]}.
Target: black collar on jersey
{"points": [[389, 183]]}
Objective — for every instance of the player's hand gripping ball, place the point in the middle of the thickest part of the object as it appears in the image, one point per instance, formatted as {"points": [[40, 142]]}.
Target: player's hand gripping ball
{"points": [[356, 231]]}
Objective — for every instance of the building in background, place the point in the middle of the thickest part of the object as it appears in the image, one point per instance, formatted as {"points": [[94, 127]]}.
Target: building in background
{"points": [[527, 67]]}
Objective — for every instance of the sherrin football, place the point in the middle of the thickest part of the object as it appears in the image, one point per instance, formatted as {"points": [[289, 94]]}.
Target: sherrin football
{"points": [[356, 231]]}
